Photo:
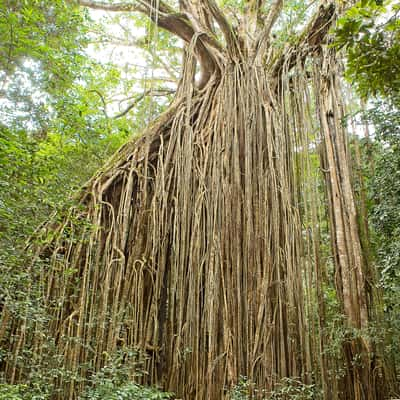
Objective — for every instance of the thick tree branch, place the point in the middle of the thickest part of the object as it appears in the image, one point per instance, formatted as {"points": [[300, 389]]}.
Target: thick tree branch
{"points": [[263, 38], [310, 40], [151, 92], [201, 20], [227, 31], [249, 23], [167, 18], [100, 5], [137, 99]]}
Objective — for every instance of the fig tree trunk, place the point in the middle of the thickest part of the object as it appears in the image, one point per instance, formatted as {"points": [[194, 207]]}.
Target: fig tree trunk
{"points": [[199, 244]]}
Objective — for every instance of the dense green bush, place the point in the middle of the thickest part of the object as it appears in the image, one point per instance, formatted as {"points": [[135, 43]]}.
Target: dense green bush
{"points": [[286, 389], [114, 380], [129, 391]]}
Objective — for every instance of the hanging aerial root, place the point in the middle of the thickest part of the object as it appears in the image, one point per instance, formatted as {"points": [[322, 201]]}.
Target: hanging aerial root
{"points": [[199, 245], [187, 249]]}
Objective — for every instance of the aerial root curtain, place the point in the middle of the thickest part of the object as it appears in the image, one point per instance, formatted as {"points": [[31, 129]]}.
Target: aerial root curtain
{"points": [[198, 243]]}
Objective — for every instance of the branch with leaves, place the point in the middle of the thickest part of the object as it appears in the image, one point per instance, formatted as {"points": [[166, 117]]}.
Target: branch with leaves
{"points": [[137, 99]]}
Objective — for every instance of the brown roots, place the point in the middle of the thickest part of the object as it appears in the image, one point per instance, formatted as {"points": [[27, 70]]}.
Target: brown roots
{"points": [[199, 244]]}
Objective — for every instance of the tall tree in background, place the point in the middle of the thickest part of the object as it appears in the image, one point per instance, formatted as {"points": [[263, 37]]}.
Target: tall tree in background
{"points": [[200, 242], [370, 33]]}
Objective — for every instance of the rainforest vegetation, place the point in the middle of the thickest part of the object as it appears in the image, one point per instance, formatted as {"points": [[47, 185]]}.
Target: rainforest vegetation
{"points": [[199, 199]]}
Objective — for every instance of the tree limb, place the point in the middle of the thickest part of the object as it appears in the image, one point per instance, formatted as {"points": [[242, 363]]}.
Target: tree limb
{"points": [[263, 38], [310, 40], [152, 92], [101, 5], [201, 20], [226, 28], [249, 23], [165, 17], [102, 100]]}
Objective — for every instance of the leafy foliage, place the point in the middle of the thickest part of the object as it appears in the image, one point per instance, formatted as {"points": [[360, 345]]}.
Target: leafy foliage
{"points": [[107, 390], [56, 131], [14, 392], [113, 381], [384, 192], [54, 134], [370, 33], [290, 388], [40, 55], [287, 388]]}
